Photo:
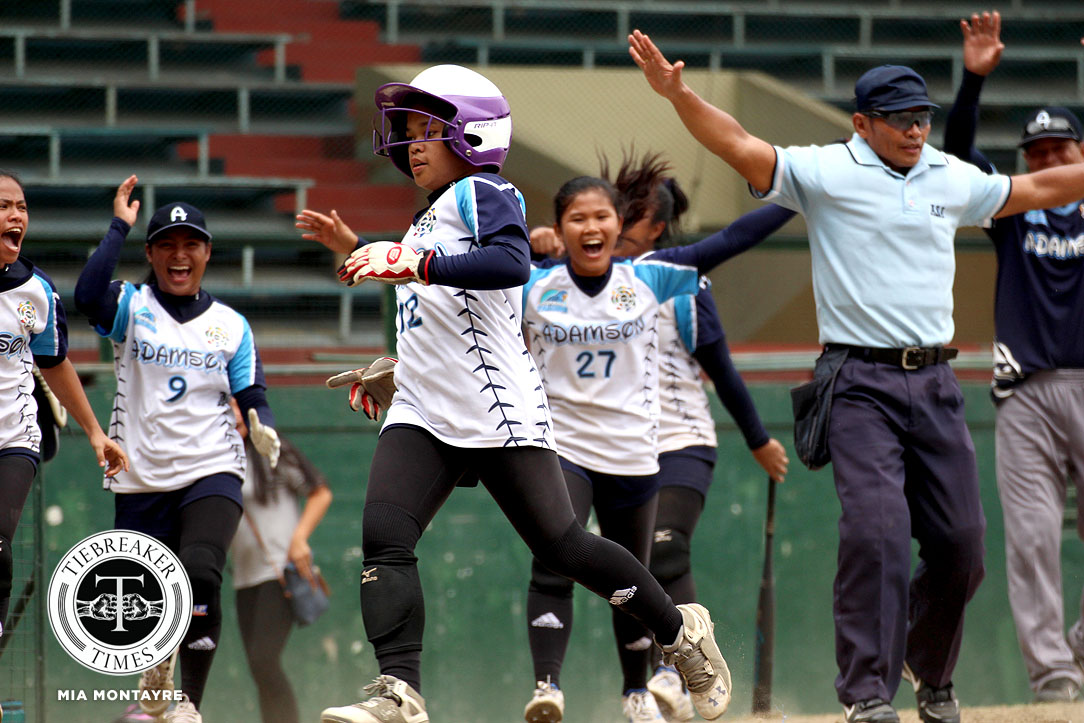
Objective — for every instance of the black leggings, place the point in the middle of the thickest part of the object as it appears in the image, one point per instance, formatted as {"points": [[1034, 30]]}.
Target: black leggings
{"points": [[679, 511], [265, 619], [413, 473], [549, 597], [16, 477]]}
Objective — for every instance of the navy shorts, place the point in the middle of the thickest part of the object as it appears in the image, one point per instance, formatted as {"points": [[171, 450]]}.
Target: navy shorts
{"points": [[615, 491], [691, 467], [158, 513]]}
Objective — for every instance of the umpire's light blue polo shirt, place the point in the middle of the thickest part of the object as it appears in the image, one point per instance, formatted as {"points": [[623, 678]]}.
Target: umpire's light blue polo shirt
{"points": [[882, 243]]}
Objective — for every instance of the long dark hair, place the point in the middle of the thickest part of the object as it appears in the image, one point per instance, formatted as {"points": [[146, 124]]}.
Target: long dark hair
{"points": [[646, 186], [568, 192]]}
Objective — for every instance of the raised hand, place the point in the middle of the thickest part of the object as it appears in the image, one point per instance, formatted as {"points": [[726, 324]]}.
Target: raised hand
{"points": [[544, 240], [982, 42], [123, 208], [663, 77], [330, 230]]}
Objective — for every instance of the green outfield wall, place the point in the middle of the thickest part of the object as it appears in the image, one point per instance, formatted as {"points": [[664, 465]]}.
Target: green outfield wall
{"points": [[476, 664]]}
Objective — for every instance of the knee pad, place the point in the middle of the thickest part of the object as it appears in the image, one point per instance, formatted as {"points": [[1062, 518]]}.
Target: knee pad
{"points": [[392, 606], [388, 535], [669, 555], [569, 553], [547, 582], [7, 567], [204, 564]]}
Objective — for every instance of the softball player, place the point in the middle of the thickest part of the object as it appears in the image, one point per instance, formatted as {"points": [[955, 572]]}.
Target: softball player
{"points": [[691, 342], [592, 328], [1038, 380], [179, 355], [33, 331], [470, 404], [882, 210]]}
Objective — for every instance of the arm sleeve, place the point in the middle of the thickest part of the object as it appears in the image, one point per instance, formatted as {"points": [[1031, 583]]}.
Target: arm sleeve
{"points": [[50, 347], [94, 295], [255, 397], [493, 210], [962, 122], [714, 359], [247, 383], [746, 232]]}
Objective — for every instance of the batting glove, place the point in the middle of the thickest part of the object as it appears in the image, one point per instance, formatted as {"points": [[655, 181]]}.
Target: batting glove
{"points": [[264, 438], [392, 263], [371, 387]]}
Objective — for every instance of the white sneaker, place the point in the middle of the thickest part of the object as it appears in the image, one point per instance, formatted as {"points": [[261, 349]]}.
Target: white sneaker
{"points": [[697, 657], [390, 701], [640, 707], [547, 704], [674, 701], [183, 712], [160, 677]]}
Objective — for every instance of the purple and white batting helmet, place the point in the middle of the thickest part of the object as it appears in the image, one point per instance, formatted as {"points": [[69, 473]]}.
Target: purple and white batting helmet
{"points": [[478, 121]]}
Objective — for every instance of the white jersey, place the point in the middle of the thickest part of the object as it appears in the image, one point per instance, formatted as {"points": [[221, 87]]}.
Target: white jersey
{"points": [[599, 359], [28, 326], [464, 373], [685, 416], [171, 413]]}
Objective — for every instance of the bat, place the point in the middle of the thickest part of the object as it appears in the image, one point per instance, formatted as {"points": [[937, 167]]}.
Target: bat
{"points": [[765, 636]]}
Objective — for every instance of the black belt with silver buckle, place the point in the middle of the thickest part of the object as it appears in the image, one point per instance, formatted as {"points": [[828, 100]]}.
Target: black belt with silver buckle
{"points": [[909, 357]]}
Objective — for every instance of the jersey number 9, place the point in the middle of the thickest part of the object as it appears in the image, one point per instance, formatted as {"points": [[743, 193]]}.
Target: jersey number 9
{"points": [[178, 386]]}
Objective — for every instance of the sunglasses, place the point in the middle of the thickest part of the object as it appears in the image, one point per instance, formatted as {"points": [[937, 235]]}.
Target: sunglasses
{"points": [[1045, 124], [902, 120]]}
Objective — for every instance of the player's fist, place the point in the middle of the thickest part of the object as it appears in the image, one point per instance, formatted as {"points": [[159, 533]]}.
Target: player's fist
{"points": [[371, 387], [392, 263]]}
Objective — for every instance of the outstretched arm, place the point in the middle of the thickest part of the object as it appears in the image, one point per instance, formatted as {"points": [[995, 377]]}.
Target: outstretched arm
{"points": [[1048, 188], [65, 384], [93, 295], [746, 232], [716, 130]]}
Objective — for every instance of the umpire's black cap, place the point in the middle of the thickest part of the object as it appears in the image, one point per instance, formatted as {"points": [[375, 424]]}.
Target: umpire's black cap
{"points": [[177, 214], [1051, 122], [891, 87]]}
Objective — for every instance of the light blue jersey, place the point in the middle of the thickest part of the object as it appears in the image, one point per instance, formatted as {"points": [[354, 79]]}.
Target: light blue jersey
{"points": [[882, 242], [188, 371], [599, 355]]}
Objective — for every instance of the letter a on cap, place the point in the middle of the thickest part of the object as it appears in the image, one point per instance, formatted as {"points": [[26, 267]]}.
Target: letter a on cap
{"points": [[177, 214]]}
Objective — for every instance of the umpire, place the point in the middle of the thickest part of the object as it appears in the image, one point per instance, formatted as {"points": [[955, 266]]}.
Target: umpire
{"points": [[1038, 372], [882, 211]]}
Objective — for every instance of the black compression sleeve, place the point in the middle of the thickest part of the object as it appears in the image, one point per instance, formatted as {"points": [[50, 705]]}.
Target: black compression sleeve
{"points": [[962, 122], [93, 295], [746, 232], [715, 360]]}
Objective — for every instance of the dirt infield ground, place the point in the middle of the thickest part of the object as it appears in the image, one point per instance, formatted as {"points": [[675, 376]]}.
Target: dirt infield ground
{"points": [[1046, 713]]}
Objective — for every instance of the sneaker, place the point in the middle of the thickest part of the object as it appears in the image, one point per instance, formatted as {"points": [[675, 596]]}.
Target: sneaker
{"points": [[160, 678], [640, 707], [133, 714], [390, 701], [873, 710], [183, 712], [674, 701], [935, 705], [547, 704], [1057, 690], [699, 661]]}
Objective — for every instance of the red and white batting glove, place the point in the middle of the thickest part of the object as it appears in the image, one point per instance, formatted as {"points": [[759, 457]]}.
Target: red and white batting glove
{"points": [[371, 387], [392, 263]]}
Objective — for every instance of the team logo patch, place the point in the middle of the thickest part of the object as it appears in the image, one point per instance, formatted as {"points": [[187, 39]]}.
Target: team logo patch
{"points": [[554, 300], [28, 315], [217, 337], [623, 298], [426, 223], [119, 602], [145, 318]]}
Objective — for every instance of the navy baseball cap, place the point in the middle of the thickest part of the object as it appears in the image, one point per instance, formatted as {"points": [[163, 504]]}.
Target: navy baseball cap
{"points": [[177, 214], [891, 87], [1051, 122]]}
